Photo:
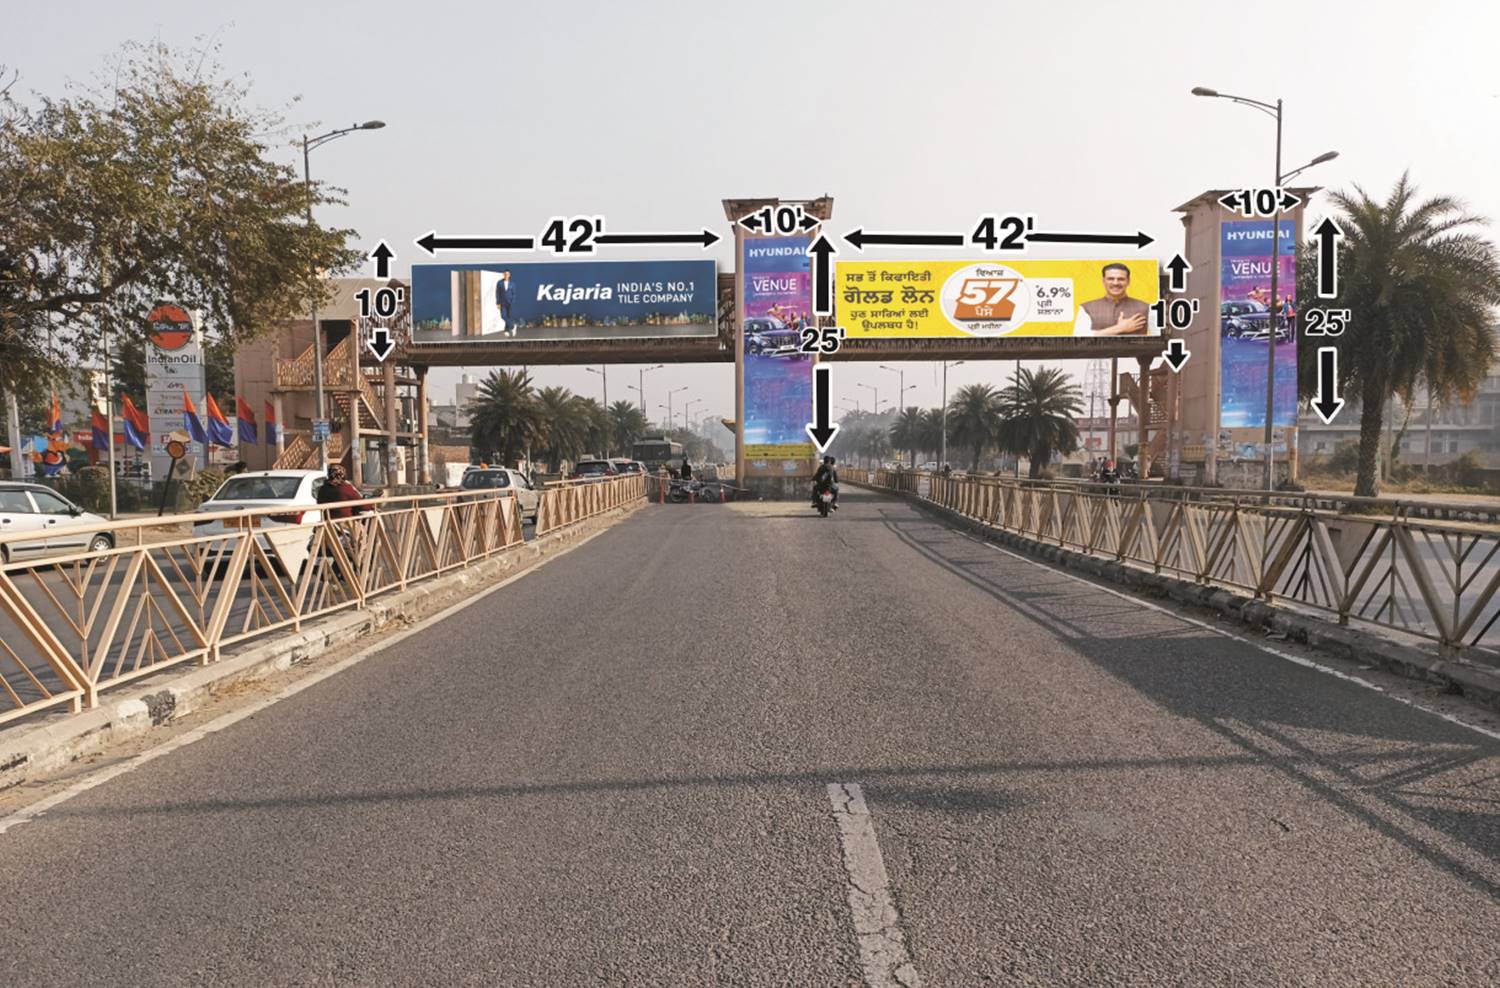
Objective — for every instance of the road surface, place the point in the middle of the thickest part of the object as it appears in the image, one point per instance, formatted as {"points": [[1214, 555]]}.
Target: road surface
{"points": [[704, 746]]}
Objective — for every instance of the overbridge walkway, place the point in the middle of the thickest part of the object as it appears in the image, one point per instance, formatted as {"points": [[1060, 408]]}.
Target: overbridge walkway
{"points": [[741, 744]]}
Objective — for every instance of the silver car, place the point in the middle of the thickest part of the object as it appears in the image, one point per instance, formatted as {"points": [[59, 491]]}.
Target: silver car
{"points": [[59, 525], [502, 479]]}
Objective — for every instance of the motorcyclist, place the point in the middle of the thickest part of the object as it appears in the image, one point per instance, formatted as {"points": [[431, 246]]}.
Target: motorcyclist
{"points": [[1110, 476], [827, 478]]}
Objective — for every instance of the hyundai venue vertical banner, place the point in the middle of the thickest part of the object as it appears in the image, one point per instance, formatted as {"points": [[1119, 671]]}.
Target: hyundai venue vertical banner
{"points": [[1247, 314], [778, 375]]}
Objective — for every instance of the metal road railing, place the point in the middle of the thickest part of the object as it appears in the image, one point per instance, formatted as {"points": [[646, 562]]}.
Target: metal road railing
{"points": [[1364, 560], [570, 501], [178, 589]]}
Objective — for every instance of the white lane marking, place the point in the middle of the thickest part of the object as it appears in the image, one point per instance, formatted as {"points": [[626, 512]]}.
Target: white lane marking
{"points": [[1288, 656], [877, 925], [41, 806]]}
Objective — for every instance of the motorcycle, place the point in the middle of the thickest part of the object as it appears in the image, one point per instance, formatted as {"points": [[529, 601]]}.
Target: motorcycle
{"points": [[823, 499]]}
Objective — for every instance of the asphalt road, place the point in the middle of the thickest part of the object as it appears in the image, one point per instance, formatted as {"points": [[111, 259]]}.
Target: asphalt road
{"points": [[616, 771]]}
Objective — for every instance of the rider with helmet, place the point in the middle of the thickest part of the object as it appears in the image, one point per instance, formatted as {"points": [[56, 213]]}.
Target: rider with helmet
{"points": [[827, 478]]}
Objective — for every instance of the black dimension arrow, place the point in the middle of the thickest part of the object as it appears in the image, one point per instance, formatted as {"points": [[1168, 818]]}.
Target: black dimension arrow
{"points": [[380, 343], [1328, 401], [859, 238], [1178, 270], [1329, 235], [1140, 239], [432, 243], [822, 254], [382, 255], [1176, 354], [706, 237], [819, 429]]}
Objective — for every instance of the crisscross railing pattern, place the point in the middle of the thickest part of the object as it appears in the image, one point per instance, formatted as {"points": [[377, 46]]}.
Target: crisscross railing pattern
{"points": [[181, 588], [1359, 559]]}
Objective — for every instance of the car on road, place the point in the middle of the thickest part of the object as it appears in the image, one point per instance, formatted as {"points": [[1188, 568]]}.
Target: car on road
{"points": [[505, 479], [593, 470], [623, 467], [295, 491], [60, 526], [769, 336]]}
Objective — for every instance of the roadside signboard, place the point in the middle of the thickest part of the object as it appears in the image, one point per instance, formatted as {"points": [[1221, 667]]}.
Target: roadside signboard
{"points": [[174, 367], [503, 303]]}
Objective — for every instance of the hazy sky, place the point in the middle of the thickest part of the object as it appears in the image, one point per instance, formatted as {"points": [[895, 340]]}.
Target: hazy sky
{"points": [[912, 116]]}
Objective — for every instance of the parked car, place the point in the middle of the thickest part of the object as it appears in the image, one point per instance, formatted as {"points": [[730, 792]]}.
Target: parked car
{"points": [[59, 524], [771, 337], [501, 479], [623, 467], [593, 470]]}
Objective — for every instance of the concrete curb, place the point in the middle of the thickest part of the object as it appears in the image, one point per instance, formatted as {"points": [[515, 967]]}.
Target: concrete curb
{"points": [[31, 750], [1474, 680]]}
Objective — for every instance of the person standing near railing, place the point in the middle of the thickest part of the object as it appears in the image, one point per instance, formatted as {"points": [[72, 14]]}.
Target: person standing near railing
{"points": [[336, 489]]}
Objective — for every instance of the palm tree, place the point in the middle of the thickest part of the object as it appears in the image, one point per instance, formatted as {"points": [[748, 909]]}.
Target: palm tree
{"points": [[1419, 283], [1038, 413], [566, 424], [627, 423], [906, 433], [504, 416], [931, 432], [974, 419]]}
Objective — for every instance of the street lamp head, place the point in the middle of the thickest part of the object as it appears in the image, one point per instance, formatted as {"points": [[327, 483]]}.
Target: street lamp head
{"points": [[1204, 91], [1325, 156], [372, 125]]}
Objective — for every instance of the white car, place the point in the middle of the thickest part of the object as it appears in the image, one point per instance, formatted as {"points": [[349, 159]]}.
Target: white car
{"points": [[504, 478], [294, 490], [60, 525]]}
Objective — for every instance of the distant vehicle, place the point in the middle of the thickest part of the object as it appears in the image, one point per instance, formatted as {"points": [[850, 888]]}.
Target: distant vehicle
{"points": [[593, 470], [653, 454], [28, 508], [769, 336], [501, 479], [928, 467], [623, 467]]}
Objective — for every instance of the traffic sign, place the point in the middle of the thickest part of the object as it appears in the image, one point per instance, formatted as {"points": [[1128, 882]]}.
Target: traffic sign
{"points": [[322, 429]]}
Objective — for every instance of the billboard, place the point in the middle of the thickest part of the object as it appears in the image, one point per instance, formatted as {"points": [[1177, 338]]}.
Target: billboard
{"points": [[174, 367], [929, 299], [1245, 319], [777, 305], [562, 300]]}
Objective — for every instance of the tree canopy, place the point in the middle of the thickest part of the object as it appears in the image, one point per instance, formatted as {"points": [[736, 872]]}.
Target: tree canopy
{"points": [[156, 183]]}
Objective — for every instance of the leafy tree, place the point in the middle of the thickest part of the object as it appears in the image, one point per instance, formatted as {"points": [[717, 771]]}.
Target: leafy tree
{"points": [[1420, 283], [156, 183], [504, 416], [930, 435], [906, 433], [567, 424], [974, 420], [1038, 413]]}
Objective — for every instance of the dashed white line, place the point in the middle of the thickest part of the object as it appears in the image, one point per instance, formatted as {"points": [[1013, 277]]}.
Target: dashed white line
{"points": [[1288, 656], [877, 925]]}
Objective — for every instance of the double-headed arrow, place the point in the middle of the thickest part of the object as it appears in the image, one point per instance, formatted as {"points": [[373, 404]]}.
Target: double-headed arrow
{"points": [[1328, 401], [753, 223], [858, 238], [819, 429], [1329, 235]]}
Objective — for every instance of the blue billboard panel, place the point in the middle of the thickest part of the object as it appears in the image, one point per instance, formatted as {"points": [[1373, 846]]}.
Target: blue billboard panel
{"points": [[1247, 314], [562, 300]]}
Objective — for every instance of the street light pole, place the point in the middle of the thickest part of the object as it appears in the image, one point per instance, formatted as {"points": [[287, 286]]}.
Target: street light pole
{"points": [[943, 443], [1275, 111], [308, 144], [641, 388], [671, 419], [876, 405], [603, 372]]}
